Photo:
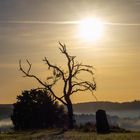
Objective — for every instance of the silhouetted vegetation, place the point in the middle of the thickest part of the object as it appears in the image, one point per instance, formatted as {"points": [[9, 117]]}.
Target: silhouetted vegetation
{"points": [[36, 109], [87, 127], [70, 78]]}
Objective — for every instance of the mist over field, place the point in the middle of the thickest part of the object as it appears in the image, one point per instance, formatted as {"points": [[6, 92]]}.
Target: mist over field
{"points": [[126, 115], [129, 123]]}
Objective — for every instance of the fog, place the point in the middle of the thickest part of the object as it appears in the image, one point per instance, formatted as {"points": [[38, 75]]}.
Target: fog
{"points": [[6, 124], [115, 118]]}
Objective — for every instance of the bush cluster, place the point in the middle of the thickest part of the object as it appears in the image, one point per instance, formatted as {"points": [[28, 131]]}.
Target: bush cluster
{"points": [[36, 109]]}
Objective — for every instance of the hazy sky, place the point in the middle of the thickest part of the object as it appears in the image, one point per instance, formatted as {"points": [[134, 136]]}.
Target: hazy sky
{"points": [[32, 28]]}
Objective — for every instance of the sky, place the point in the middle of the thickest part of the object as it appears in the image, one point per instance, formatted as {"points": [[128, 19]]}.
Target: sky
{"points": [[31, 29]]}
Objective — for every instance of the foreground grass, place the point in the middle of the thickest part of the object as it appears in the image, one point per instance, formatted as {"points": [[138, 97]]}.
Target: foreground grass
{"points": [[69, 135]]}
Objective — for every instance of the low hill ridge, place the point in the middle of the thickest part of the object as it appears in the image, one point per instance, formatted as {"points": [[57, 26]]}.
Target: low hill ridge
{"points": [[86, 107]]}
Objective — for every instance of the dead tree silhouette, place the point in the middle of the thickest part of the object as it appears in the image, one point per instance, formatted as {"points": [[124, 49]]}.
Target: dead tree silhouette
{"points": [[70, 78]]}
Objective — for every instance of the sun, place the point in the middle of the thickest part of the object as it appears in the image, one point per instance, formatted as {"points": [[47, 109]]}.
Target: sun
{"points": [[91, 29]]}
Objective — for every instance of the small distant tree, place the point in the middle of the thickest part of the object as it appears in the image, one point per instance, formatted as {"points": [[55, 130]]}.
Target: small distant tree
{"points": [[72, 83], [36, 109]]}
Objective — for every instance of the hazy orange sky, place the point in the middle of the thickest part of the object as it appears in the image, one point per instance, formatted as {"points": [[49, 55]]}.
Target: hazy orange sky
{"points": [[31, 29]]}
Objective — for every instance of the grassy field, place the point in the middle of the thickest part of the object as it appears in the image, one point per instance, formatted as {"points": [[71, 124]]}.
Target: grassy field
{"points": [[69, 135]]}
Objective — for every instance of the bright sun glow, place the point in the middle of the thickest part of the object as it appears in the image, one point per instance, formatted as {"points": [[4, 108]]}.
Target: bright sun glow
{"points": [[91, 29]]}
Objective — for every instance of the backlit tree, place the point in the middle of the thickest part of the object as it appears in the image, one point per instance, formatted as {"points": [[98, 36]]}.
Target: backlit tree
{"points": [[72, 83]]}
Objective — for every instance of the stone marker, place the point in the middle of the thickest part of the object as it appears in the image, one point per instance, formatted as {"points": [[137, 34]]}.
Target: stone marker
{"points": [[102, 125]]}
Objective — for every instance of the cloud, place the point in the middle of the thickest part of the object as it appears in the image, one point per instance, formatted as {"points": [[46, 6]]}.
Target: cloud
{"points": [[39, 22], [122, 24], [63, 22]]}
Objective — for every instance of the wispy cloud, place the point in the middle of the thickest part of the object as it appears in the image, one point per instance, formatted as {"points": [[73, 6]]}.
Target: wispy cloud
{"points": [[122, 24], [64, 22], [39, 22]]}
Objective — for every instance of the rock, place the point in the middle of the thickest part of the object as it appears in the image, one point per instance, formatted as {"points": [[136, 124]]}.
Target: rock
{"points": [[102, 125]]}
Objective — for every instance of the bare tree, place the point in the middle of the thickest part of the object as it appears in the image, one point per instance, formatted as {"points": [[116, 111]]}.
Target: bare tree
{"points": [[70, 78]]}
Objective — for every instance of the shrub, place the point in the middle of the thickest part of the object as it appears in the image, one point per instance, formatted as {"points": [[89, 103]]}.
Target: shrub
{"points": [[87, 127], [36, 109]]}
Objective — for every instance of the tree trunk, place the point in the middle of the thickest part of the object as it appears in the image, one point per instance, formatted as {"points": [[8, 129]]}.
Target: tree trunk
{"points": [[70, 114]]}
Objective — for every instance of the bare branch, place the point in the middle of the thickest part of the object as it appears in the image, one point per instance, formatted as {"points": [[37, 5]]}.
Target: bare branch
{"points": [[47, 86], [30, 65], [55, 68], [84, 86], [27, 73], [87, 66], [63, 49], [72, 72], [82, 68], [60, 99]]}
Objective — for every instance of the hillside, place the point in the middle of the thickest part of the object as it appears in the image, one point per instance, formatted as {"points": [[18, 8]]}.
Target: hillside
{"points": [[88, 107], [108, 106], [5, 110]]}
